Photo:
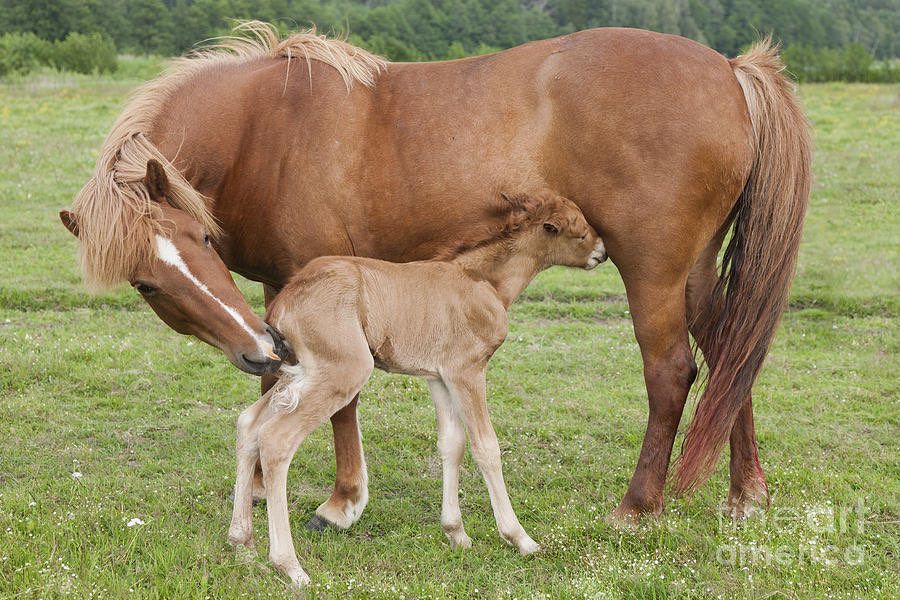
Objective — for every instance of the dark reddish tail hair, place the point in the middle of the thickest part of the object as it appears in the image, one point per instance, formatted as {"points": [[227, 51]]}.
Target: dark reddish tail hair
{"points": [[759, 261]]}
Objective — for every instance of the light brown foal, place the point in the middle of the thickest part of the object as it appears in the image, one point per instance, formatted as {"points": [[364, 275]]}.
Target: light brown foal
{"points": [[441, 320]]}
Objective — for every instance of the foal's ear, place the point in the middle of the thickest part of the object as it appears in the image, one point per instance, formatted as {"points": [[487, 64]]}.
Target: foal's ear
{"points": [[156, 181], [68, 219], [516, 201]]}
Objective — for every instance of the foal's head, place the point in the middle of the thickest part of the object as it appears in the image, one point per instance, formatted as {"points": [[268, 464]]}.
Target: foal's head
{"points": [[186, 283], [554, 228]]}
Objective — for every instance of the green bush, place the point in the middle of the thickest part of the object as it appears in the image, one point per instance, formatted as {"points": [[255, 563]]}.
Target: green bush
{"points": [[850, 63], [21, 53], [85, 53]]}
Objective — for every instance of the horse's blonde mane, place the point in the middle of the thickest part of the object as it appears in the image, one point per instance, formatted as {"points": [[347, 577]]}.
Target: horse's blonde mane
{"points": [[116, 218]]}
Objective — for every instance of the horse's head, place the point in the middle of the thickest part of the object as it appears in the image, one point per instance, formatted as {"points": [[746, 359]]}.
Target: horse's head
{"points": [[556, 229], [186, 283]]}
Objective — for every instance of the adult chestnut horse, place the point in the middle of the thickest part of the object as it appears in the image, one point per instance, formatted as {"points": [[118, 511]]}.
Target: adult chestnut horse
{"points": [[286, 150]]}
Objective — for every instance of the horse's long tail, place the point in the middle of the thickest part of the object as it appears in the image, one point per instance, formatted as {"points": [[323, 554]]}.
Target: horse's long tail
{"points": [[759, 261]]}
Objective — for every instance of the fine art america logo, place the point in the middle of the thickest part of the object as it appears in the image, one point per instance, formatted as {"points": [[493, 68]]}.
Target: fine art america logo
{"points": [[810, 534]]}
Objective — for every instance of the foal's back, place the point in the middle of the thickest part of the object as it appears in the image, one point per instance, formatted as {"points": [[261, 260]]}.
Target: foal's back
{"points": [[415, 317]]}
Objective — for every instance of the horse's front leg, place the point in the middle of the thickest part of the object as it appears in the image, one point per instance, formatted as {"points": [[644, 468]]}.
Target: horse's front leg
{"points": [[351, 484]]}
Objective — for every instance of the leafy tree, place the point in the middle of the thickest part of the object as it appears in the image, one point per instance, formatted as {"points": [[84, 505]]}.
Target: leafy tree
{"points": [[822, 35]]}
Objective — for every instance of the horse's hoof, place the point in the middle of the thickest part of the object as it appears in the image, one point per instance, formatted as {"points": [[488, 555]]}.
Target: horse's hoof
{"points": [[624, 518], [255, 501], [748, 504], [319, 524]]}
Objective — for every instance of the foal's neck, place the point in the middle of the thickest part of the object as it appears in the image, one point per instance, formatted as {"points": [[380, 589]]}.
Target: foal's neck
{"points": [[500, 264]]}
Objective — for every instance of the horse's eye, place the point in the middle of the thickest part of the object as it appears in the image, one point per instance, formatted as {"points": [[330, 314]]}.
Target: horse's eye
{"points": [[145, 289], [206, 240]]}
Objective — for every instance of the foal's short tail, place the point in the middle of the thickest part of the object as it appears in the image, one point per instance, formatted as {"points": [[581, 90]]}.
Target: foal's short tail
{"points": [[759, 261]]}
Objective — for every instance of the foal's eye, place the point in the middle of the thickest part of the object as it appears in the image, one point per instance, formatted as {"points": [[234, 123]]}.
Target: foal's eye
{"points": [[206, 240], [145, 289]]}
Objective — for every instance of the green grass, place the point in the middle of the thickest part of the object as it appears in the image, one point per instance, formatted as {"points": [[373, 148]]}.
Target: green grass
{"points": [[99, 386]]}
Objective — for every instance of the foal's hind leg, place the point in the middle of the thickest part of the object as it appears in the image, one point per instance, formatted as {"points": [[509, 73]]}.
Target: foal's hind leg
{"points": [[247, 454], [329, 389], [452, 446], [468, 393], [748, 490], [351, 482]]}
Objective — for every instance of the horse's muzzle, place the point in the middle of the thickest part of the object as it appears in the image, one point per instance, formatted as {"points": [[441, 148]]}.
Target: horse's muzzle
{"points": [[282, 348], [255, 367]]}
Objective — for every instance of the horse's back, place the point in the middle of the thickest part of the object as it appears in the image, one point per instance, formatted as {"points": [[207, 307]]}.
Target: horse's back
{"points": [[631, 125]]}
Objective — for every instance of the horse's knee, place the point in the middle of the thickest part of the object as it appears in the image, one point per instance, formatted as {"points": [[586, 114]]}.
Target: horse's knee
{"points": [[452, 445], [669, 378]]}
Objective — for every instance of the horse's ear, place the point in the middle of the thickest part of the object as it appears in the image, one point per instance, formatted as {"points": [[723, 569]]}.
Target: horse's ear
{"points": [[68, 219], [156, 181]]}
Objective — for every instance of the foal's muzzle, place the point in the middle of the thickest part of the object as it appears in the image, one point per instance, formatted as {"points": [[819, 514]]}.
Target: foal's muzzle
{"points": [[597, 256]]}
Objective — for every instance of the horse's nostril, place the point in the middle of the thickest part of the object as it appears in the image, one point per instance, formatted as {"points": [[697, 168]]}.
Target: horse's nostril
{"points": [[281, 348]]}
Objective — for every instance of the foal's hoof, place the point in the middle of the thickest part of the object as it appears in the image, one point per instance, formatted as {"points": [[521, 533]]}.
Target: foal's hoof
{"points": [[319, 524], [460, 541], [299, 579], [528, 546]]}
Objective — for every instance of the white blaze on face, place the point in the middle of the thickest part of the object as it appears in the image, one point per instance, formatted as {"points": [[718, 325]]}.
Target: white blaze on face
{"points": [[168, 253]]}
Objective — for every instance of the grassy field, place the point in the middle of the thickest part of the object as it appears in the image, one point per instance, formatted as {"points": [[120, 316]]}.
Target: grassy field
{"points": [[108, 416]]}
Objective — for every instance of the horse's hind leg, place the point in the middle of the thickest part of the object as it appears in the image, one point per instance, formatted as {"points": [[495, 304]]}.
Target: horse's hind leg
{"points": [[747, 490], [658, 310], [331, 387], [452, 447], [351, 483]]}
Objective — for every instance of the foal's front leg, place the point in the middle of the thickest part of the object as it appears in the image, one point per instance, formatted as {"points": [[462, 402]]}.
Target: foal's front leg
{"points": [[452, 446], [468, 392]]}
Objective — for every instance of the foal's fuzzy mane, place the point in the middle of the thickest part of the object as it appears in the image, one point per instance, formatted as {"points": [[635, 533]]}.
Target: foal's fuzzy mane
{"points": [[116, 218], [514, 216]]}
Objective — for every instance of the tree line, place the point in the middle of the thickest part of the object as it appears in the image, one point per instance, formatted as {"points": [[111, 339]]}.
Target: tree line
{"points": [[826, 37]]}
